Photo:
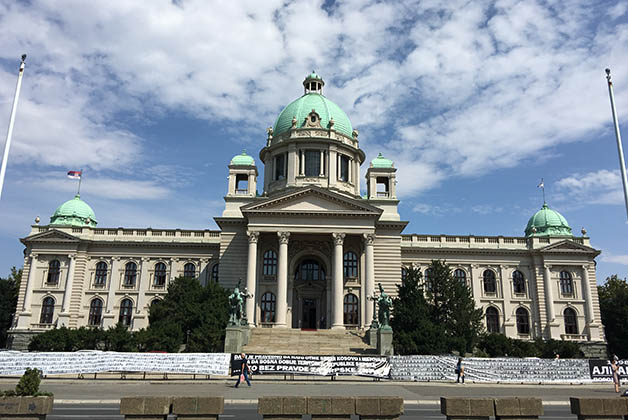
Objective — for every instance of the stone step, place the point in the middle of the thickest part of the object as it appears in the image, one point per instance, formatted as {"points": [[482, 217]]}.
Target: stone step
{"points": [[317, 342]]}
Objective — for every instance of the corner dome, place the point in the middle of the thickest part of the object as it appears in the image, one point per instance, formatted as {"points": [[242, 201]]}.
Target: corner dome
{"points": [[74, 212], [243, 160], [381, 162], [547, 222], [313, 100]]}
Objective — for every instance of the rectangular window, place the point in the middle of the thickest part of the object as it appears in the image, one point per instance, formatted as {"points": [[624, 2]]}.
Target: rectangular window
{"points": [[280, 166], [344, 169], [312, 162]]}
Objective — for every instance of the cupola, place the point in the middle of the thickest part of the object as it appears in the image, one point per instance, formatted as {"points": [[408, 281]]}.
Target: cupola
{"points": [[242, 176], [74, 212], [547, 222], [313, 83]]}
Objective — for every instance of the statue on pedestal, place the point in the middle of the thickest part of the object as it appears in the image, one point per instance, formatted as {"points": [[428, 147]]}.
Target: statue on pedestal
{"points": [[235, 309], [384, 302]]}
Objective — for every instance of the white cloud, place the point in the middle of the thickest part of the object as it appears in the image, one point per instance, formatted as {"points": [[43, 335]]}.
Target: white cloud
{"points": [[617, 259], [599, 187]]}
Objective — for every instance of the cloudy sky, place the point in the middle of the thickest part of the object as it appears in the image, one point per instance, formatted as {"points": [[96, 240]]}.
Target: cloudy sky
{"points": [[475, 101]]}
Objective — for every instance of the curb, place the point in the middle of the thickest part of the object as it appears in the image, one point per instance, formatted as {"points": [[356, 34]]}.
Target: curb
{"points": [[254, 401]]}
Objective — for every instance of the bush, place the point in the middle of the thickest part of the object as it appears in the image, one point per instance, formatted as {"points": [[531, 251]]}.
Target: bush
{"points": [[29, 382], [498, 345]]}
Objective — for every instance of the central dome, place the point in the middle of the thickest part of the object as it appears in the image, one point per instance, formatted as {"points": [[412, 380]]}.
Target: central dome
{"points": [[75, 212], [547, 222], [313, 99]]}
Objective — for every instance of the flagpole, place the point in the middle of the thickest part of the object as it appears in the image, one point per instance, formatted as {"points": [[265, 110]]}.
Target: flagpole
{"points": [[80, 179], [620, 151], [7, 144]]}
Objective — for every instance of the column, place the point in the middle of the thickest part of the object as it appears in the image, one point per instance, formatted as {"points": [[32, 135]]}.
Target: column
{"points": [[202, 274], [65, 308], [549, 295], [322, 169], [144, 281], [338, 286], [301, 162], [251, 270], [30, 284], [586, 293], [282, 280], [114, 283], [173, 268], [369, 282]]}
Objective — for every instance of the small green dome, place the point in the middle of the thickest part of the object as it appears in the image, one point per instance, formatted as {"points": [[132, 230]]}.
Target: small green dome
{"points": [[381, 162], [75, 212], [313, 100], [547, 222], [243, 160]]}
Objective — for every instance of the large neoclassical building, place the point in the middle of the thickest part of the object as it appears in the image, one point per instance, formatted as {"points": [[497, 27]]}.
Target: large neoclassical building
{"points": [[310, 248]]}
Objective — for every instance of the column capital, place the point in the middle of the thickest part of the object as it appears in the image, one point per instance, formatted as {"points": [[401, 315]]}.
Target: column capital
{"points": [[71, 256], [145, 259], [204, 260], [33, 255], [369, 238], [253, 236], [283, 237], [115, 258], [586, 266], [547, 266], [339, 238]]}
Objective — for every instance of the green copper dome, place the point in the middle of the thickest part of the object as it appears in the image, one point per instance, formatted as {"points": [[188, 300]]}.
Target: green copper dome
{"points": [[381, 162], [313, 100], [75, 212], [243, 160], [547, 222]]}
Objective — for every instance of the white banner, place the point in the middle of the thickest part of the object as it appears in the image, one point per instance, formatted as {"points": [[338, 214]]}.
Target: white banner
{"points": [[15, 363]]}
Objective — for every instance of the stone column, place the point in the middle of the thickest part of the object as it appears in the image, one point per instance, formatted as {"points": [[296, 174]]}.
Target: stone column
{"points": [[65, 308], [369, 283], [173, 268], [30, 285], [282, 280], [322, 158], [549, 295], [251, 271], [338, 283], [114, 283], [586, 294], [144, 281], [202, 274]]}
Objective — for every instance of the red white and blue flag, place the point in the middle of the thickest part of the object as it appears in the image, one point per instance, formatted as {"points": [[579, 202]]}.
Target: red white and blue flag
{"points": [[74, 174]]}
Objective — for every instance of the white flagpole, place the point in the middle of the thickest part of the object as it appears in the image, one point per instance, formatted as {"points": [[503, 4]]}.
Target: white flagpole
{"points": [[7, 144], [620, 151]]}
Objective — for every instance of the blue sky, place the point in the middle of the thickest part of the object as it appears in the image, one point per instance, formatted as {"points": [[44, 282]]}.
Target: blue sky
{"points": [[475, 101]]}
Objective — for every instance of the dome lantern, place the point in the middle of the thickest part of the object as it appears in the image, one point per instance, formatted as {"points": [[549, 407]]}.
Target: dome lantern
{"points": [[313, 83]]}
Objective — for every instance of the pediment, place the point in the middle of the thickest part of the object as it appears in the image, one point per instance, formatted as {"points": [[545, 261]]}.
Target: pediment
{"points": [[311, 200], [568, 246], [52, 235]]}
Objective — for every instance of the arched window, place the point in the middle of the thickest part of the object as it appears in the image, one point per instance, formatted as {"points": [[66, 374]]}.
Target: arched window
{"points": [[492, 320], [189, 270], [310, 270], [270, 263], [523, 321], [53, 272], [460, 275], [350, 309], [214, 276], [428, 276], [95, 312], [404, 274], [518, 282], [268, 307], [566, 284], [490, 286], [130, 274], [126, 311], [160, 275], [350, 264], [100, 277], [47, 310], [571, 321]]}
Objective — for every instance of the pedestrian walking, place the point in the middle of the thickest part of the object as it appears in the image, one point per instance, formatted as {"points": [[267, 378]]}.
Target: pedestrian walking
{"points": [[245, 371], [459, 371], [615, 371]]}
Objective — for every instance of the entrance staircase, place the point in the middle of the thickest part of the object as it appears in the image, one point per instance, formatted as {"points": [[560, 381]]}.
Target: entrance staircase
{"points": [[306, 342]]}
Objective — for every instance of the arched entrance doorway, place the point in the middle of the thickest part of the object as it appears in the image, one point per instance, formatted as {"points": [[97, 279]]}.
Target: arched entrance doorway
{"points": [[310, 294]]}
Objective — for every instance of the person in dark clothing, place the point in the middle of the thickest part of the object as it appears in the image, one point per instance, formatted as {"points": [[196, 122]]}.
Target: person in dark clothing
{"points": [[245, 371], [459, 371]]}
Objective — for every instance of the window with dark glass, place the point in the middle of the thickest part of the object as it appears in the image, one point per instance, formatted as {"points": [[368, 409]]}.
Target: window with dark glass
{"points": [[350, 264], [130, 274], [492, 320], [47, 311], [428, 278], [95, 312], [160, 274], [350, 309], [460, 275], [310, 270], [270, 263], [571, 321], [100, 277], [280, 166], [518, 282], [490, 285], [214, 276], [312, 162], [189, 271], [53, 271], [126, 311], [268, 307], [344, 169], [242, 184], [566, 283], [404, 273], [382, 186], [523, 321]]}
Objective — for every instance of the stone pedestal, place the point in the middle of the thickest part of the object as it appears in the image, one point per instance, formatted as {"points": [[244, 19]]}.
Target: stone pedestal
{"points": [[246, 334], [64, 320], [234, 340], [371, 336], [384, 341]]}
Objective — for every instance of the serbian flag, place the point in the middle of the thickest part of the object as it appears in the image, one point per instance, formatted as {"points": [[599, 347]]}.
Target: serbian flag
{"points": [[74, 174]]}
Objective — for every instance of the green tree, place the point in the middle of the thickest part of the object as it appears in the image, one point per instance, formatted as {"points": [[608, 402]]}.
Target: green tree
{"points": [[57, 339], [9, 288], [119, 338], [614, 310]]}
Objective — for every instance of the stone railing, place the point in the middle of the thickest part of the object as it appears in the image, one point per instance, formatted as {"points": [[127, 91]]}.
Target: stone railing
{"points": [[132, 234], [471, 241]]}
